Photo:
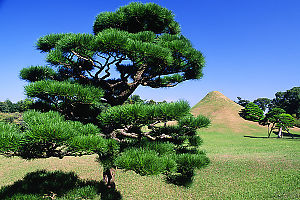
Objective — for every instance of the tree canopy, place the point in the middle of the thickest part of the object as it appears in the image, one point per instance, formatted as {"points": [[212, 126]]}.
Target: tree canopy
{"points": [[289, 101], [277, 118], [252, 112], [141, 43], [263, 103]]}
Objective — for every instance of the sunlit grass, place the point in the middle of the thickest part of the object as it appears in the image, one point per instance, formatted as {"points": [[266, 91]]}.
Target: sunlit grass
{"points": [[244, 165]]}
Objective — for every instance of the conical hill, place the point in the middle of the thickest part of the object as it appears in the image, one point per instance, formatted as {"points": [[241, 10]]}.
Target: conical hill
{"points": [[223, 112]]}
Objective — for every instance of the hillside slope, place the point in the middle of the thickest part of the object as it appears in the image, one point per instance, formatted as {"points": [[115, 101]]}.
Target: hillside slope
{"points": [[223, 112]]}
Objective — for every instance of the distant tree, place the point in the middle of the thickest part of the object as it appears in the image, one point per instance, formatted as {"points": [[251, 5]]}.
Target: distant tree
{"points": [[24, 105], [242, 102], [3, 107], [263, 103], [289, 101], [134, 99], [8, 107], [252, 112], [151, 101], [277, 118]]}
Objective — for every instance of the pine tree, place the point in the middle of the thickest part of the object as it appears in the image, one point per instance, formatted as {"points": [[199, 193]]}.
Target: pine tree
{"points": [[80, 104], [252, 112]]}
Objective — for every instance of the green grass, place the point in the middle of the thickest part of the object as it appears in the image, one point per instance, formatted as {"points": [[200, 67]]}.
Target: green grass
{"points": [[251, 167]]}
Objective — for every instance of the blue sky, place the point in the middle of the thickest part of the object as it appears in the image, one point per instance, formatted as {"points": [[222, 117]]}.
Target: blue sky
{"points": [[252, 47]]}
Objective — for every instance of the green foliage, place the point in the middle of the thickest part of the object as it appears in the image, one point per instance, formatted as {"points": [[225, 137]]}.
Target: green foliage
{"points": [[252, 112], [10, 136], [134, 99], [194, 122], [242, 102], [37, 73], [135, 17], [49, 134], [157, 149], [24, 105], [144, 45], [278, 118], [8, 107], [162, 148], [145, 162], [187, 162], [141, 114], [272, 115], [141, 41], [63, 91], [297, 123], [75, 101], [289, 101], [263, 103], [285, 120]]}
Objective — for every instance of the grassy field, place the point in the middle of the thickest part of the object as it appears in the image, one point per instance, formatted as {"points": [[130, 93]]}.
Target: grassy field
{"points": [[244, 165]]}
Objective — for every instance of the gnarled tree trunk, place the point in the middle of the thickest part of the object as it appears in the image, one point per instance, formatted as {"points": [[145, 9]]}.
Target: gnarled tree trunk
{"points": [[280, 132], [109, 177]]}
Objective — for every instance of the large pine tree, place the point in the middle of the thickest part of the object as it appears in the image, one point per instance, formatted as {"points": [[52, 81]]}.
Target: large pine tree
{"points": [[80, 102]]}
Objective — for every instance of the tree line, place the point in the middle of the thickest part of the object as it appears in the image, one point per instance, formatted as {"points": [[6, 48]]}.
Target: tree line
{"points": [[9, 107], [288, 101]]}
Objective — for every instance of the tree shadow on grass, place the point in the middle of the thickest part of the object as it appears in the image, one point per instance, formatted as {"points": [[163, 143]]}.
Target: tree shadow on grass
{"points": [[57, 185], [285, 135]]}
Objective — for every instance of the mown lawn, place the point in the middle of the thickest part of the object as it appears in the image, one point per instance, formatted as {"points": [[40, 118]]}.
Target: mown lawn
{"points": [[244, 165]]}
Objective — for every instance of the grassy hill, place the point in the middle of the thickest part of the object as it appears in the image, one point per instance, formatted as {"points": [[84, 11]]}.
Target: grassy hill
{"points": [[244, 163], [224, 113]]}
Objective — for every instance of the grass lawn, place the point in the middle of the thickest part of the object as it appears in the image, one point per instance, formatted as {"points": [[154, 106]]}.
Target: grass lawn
{"points": [[244, 165]]}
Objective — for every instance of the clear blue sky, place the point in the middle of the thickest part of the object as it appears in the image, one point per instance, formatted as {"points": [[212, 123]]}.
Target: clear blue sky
{"points": [[252, 47]]}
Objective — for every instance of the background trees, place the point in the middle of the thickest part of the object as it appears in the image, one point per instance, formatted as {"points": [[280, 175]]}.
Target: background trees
{"points": [[289, 101], [9, 107], [283, 110], [262, 103], [277, 118]]}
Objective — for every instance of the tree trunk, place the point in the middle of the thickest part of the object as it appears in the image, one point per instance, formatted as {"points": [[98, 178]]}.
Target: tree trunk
{"points": [[109, 177], [280, 132], [271, 129]]}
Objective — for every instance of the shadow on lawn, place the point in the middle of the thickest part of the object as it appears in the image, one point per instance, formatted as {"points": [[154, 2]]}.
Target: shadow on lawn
{"points": [[57, 185], [285, 135]]}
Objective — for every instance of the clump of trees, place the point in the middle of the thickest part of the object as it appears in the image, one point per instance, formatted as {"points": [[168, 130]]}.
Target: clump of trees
{"points": [[288, 101], [81, 109], [277, 118], [283, 110]]}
